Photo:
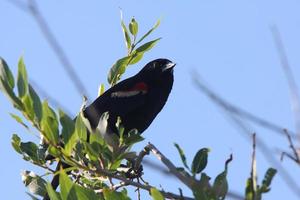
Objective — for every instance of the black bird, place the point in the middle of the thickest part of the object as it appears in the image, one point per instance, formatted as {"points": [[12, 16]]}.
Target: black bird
{"points": [[136, 100]]}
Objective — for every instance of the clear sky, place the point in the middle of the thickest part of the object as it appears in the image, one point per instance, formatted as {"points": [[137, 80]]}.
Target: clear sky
{"points": [[228, 42]]}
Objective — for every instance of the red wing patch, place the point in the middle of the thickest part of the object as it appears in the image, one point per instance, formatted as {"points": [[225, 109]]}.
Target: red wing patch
{"points": [[138, 88]]}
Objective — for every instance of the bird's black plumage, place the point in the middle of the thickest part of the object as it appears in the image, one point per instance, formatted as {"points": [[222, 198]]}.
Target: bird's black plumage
{"points": [[136, 100]]}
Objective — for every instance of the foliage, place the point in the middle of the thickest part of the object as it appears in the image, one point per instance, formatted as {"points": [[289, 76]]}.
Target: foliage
{"points": [[94, 163]]}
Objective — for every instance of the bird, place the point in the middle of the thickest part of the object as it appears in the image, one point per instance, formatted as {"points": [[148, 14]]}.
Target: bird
{"points": [[136, 101]]}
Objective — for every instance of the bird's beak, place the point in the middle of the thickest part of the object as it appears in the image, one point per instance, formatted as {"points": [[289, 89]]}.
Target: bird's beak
{"points": [[170, 65]]}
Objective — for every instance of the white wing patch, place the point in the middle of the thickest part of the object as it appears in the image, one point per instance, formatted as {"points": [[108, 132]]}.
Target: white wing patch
{"points": [[127, 93]]}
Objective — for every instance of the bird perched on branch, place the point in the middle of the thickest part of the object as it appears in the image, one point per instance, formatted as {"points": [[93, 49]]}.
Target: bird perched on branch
{"points": [[136, 100]]}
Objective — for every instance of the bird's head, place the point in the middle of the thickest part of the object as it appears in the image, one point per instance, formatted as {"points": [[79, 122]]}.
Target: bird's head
{"points": [[157, 70]]}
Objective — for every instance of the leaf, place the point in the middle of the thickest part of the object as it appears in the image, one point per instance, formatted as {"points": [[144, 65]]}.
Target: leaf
{"points": [[117, 70], [156, 195], [101, 90], [66, 185], [30, 149], [16, 142], [147, 46], [49, 124], [114, 195], [249, 193], [136, 57], [69, 136], [126, 34], [80, 128], [5, 74], [19, 120], [22, 81], [7, 90], [149, 32], [28, 106], [182, 155], [84, 193], [133, 27], [269, 175], [52, 193], [200, 161], [220, 186], [37, 105]]}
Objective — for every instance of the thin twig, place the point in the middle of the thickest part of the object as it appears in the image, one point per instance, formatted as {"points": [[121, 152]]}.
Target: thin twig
{"points": [[295, 98], [236, 110], [32, 8], [296, 155], [173, 169], [267, 153]]}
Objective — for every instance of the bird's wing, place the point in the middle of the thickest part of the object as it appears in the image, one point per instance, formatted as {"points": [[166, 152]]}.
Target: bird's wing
{"points": [[121, 99]]}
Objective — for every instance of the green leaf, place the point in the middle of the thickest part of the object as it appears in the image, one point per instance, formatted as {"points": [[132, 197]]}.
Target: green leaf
{"points": [[69, 136], [200, 161], [182, 155], [117, 70], [126, 34], [112, 195], [269, 175], [7, 90], [30, 149], [220, 186], [49, 124], [16, 142], [19, 120], [28, 106], [37, 105], [135, 57], [147, 46], [66, 186], [52, 193], [22, 80], [133, 27], [149, 32], [80, 128], [84, 193], [249, 193], [156, 195], [5, 74]]}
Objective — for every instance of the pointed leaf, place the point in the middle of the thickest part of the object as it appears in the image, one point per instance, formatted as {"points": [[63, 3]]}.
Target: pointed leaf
{"points": [[147, 46], [66, 186], [200, 161], [111, 195], [30, 149], [49, 124], [7, 90], [136, 57], [117, 70], [269, 175], [22, 81], [220, 186], [52, 193], [5, 74], [126, 35], [37, 105], [182, 155], [69, 136], [80, 128], [149, 32]]}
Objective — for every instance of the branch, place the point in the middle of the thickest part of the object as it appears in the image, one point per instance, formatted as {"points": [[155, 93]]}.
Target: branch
{"points": [[236, 110], [32, 8], [295, 98]]}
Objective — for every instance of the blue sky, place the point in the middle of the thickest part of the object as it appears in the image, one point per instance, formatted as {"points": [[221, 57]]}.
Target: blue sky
{"points": [[229, 43]]}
